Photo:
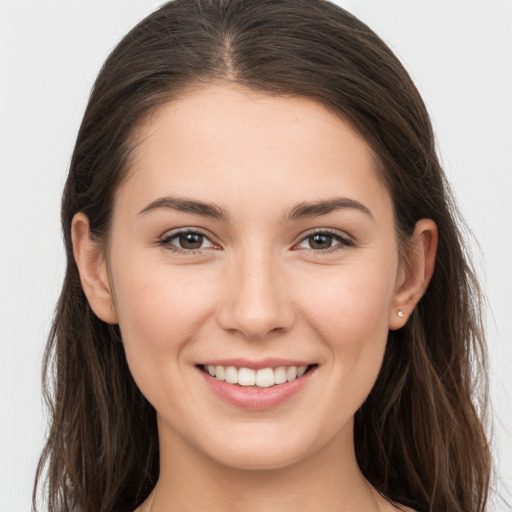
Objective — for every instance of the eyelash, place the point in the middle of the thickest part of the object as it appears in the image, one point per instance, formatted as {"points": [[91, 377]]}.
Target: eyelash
{"points": [[343, 241], [166, 240]]}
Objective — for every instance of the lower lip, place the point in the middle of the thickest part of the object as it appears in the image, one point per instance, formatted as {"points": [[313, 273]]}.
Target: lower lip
{"points": [[254, 398]]}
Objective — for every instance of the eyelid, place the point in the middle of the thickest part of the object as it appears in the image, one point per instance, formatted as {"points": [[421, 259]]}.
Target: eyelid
{"points": [[165, 240], [345, 240]]}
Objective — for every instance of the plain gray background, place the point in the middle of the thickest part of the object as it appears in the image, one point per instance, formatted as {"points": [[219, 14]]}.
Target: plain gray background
{"points": [[457, 51]]}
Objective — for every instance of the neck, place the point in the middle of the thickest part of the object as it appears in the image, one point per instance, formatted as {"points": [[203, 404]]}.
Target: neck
{"points": [[329, 480]]}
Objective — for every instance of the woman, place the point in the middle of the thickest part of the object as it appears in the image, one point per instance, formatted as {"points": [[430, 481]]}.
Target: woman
{"points": [[267, 301]]}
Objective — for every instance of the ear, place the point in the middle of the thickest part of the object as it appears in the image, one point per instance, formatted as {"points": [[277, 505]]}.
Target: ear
{"points": [[415, 273], [92, 267]]}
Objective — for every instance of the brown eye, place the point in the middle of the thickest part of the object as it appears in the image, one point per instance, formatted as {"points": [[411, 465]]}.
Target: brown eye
{"points": [[190, 240], [320, 241], [325, 242], [187, 242]]}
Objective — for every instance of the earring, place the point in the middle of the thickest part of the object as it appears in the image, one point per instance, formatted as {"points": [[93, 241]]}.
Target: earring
{"points": [[400, 313]]}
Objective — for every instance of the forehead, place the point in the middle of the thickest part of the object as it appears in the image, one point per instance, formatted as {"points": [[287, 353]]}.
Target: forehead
{"points": [[239, 145]]}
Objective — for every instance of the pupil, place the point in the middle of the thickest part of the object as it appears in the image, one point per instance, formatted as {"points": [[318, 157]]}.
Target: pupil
{"points": [[320, 241], [191, 241]]}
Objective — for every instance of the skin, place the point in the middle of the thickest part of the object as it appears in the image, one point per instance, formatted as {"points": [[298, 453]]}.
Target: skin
{"points": [[258, 287]]}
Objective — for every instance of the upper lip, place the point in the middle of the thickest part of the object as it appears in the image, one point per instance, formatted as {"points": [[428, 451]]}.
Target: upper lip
{"points": [[268, 362]]}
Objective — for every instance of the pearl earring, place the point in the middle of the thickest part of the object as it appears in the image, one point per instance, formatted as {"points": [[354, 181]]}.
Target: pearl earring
{"points": [[400, 313]]}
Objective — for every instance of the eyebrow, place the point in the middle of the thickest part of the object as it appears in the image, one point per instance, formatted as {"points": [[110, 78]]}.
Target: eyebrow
{"points": [[300, 211], [187, 206], [317, 208]]}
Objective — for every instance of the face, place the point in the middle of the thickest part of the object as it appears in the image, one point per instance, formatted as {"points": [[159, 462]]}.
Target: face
{"points": [[253, 237]]}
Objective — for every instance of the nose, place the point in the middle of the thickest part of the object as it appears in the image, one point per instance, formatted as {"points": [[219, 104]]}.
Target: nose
{"points": [[257, 300]]}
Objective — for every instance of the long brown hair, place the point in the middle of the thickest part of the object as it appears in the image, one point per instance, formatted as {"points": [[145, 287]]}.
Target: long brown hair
{"points": [[419, 437]]}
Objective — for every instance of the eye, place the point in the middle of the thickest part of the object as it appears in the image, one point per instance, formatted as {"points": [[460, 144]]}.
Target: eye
{"points": [[324, 241], [187, 241]]}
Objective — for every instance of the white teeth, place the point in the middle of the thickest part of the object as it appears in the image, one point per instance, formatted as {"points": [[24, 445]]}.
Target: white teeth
{"points": [[301, 370], [231, 375], [291, 373], [220, 373], [263, 378], [246, 377], [280, 375]]}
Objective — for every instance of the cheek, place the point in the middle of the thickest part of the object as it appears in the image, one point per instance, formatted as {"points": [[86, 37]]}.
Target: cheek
{"points": [[350, 315], [160, 310], [351, 320], [351, 301]]}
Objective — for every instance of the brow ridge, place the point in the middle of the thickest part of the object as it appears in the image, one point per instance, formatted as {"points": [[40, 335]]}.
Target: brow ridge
{"points": [[188, 206], [300, 211], [323, 207]]}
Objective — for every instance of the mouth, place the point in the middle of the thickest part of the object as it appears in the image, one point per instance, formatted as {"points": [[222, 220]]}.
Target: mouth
{"points": [[256, 378], [257, 385]]}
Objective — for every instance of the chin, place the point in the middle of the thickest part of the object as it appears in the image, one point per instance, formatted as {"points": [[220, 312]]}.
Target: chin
{"points": [[266, 450], [259, 459]]}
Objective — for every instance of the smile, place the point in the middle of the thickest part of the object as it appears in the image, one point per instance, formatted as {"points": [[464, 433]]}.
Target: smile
{"points": [[262, 378], [256, 386]]}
